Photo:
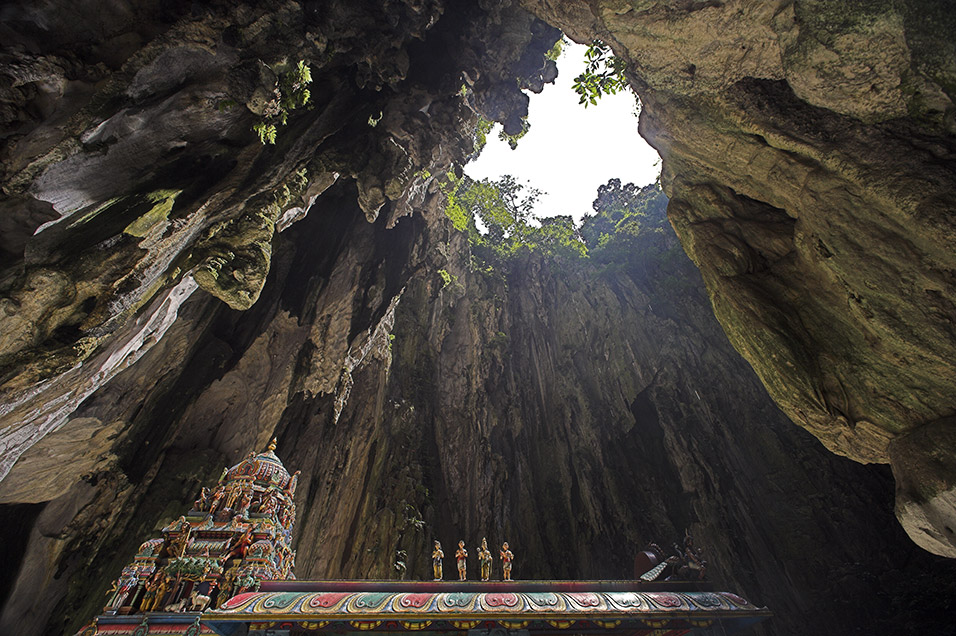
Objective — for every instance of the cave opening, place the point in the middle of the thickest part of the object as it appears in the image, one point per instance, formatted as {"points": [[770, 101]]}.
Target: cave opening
{"points": [[572, 146]]}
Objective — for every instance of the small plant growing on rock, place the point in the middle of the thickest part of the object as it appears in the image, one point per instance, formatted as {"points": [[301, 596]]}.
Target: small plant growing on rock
{"points": [[447, 279], [401, 557], [291, 92]]}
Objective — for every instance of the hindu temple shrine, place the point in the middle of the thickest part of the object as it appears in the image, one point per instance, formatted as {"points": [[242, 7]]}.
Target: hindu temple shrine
{"points": [[226, 567]]}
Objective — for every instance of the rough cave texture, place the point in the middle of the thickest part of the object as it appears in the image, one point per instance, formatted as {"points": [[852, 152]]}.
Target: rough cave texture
{"points": [[191, 292], [810, 155]]}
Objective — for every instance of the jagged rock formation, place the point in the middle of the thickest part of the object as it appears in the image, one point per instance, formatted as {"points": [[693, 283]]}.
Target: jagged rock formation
{"points": [[129, 144], [810, 155], [127, 137]]}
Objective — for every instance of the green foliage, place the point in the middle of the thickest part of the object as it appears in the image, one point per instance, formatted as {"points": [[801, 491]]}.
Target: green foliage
{"points": [[500, 340], [630, 233], [481, 134], [266, 132], [623, 214], [502, 206], [412, 517], [558, 235], [513, 139], [294, 87], [460, 217], [447, 279], [555, 52], [505, 209], [485, 126], [603, 74], [291, 92]]}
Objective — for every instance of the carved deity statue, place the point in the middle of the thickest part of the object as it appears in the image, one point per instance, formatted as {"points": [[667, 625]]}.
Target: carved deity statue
{"points": [[269, 505], [149, 597], [232, 494], [506, 558], [162, 587], [484, 560], [244, 502], [437, 556], [293, 482], [177, 546], [238, 549], [461, 556], [122, 588], [217, 497], [202, 501], [695, 567]]}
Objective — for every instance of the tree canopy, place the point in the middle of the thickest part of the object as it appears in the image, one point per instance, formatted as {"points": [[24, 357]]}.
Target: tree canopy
{"points": [[505, 209]]}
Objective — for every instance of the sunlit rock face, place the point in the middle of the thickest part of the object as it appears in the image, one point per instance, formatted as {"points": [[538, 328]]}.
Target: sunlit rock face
{"points": [[809, 155], [174, 292]]}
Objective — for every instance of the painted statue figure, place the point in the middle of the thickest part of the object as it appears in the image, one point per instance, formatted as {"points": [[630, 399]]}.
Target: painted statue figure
{"points": [[437, 556], [506, 558], [293, 482], [238, 550], [161, 589], [217, 498], [203, 500], [232, 494], [695, 566], [122, 588], [484, 560], [269, 506], [177, 546], [149, 597], [462, 557], [244, 502]]}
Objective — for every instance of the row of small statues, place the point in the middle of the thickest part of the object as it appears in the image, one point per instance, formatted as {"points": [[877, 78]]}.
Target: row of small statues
{"points": [[238, 500], [484, 561]]}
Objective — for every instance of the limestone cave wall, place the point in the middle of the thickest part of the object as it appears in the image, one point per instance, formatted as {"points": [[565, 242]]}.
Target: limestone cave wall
{"points": [[808, 153]]}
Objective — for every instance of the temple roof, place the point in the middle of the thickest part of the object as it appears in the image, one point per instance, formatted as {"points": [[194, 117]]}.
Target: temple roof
{"points": [[263, 467]]}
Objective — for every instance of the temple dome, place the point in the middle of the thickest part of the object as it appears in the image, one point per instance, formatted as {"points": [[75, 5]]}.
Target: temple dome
{"points": [[263, 468]]}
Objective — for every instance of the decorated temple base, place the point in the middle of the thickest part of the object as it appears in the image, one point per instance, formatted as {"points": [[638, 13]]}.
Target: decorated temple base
{"points": [[230, 558], [526, 608]]}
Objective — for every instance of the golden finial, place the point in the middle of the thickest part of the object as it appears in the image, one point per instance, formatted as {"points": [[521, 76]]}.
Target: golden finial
{"points": [[272, 445]]}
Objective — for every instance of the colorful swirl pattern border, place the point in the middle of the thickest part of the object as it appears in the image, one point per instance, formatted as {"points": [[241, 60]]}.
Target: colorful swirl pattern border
{"points": [[371, 605]]}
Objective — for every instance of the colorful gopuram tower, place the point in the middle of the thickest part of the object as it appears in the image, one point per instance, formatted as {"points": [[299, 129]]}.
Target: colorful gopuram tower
{"points": [[237, 534]]}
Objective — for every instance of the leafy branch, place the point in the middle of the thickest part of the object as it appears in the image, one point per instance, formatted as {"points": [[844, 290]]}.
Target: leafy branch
{"points": [[603, 74]]}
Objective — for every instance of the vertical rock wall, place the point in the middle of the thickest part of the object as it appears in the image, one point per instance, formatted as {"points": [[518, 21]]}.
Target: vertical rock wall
{"points": [[809, 152], [578, 415]]}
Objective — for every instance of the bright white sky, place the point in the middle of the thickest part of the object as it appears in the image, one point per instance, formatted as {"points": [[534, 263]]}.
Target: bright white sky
{"points": [[571, 150]]}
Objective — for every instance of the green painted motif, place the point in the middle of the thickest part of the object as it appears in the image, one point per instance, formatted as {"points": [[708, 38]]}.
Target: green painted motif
{"points": [[370, 600], [459, 599], [543, 598], [282, 600]]}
